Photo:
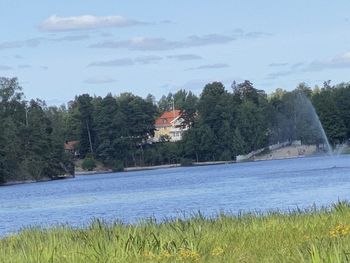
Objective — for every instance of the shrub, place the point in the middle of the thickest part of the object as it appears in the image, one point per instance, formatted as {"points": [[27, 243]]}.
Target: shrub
{"points": [[89, 163], [118, 166], [186, 162], [2, 178]]}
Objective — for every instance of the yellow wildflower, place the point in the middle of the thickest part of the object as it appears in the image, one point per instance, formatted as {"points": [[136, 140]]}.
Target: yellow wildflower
{"points": [[306, 237], [340, 230], [217, 251], [164, 255], [187, 254], [149, 255]]}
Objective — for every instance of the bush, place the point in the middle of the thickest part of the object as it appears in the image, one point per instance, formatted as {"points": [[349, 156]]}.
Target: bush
{"points": [[2, 178], [226, 156], [186, 162], [89, 164], [118, 166]]}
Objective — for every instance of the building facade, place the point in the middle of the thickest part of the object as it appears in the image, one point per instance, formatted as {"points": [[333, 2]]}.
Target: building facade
{"points": [[169, 127]]}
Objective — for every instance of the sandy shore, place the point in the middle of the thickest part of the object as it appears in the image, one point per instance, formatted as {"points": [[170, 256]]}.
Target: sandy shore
{"points": [[288, 152]]}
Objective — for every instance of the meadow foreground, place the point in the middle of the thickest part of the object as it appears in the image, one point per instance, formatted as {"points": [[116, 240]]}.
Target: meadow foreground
{"points": [[299, 236]]}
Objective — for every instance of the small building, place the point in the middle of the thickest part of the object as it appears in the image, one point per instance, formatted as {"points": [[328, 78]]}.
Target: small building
{"points": [[169, 127], [71, 147]]}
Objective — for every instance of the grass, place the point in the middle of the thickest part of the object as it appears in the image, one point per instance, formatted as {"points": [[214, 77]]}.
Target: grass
{"points": [[299, 236]]}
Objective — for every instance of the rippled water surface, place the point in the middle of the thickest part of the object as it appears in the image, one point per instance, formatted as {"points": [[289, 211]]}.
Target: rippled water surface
{"points": [[164, 193]]}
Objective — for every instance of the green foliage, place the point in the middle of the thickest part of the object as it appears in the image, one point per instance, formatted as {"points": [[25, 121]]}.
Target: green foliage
{"points": [[330, 114], [228, 124], [30, 143], [299, 236], [165, 103], [220, 125], [118, 166], [84, 116], [88, 163], [186, 162]]}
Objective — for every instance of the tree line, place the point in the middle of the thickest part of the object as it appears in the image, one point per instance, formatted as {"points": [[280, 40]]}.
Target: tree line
{"points": [[115, 130], [30, 139]]}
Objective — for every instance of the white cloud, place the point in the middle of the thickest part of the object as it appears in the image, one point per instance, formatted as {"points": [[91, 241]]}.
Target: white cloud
{"points": [[140, 43], [24, 66], [337, 62], [278, 64], [4, 67], [147, 59], [100, 80], [183, 57], [210, 66], [120, 62], [32, 42], [275, 75], [341, 61], [297, 65], [71, 38], [85, 22], [36, 42], [152, 44]]}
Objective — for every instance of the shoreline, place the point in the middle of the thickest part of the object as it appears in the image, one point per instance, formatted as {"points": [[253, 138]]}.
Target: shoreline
{"points": [[46, 179], [168, 166], [154, 167]]}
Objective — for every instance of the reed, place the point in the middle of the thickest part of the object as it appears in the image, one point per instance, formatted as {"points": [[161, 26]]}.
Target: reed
{"points": [[313, 235]]}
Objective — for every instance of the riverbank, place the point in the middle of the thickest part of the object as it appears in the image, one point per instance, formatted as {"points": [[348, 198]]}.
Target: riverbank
{"points": [[299, 236], [45, 179], [154, 167], [287, 152]]}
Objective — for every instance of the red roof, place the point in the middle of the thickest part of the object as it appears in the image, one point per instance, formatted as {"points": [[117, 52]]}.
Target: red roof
{"points": [[167, 117], [70, 145]]}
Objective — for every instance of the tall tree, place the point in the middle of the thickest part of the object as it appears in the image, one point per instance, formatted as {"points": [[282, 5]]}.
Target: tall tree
{"points": [[83, 109]]}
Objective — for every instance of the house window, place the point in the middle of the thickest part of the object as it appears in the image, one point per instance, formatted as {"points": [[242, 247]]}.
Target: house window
{"points": [[164, 120]]}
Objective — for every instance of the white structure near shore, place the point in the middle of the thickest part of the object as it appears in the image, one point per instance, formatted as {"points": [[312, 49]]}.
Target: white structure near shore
{"points": [[169, 127]]}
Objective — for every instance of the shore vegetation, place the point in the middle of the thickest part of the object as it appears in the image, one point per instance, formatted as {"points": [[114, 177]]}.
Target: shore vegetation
{"points": [[116, 131], [310, 235]]}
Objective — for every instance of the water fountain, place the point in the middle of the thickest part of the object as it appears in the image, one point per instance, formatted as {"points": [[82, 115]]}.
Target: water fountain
{"points": [[305, 101], [340, 149]]}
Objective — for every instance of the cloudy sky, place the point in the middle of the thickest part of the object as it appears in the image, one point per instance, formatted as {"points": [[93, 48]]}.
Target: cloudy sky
{"points": [[59, 49]]}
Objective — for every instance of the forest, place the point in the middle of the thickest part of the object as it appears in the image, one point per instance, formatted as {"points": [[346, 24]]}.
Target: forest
{"points": [[115, 130]]}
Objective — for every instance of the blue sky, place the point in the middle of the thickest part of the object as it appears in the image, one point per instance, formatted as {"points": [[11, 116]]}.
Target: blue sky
{"points": [[59, 49]]}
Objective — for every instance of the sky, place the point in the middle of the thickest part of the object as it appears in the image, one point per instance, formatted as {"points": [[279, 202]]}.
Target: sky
{"points": [[59, 49]]}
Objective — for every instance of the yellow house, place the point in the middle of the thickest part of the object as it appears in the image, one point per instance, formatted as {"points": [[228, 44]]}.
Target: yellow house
{"points": [[168, 125]]}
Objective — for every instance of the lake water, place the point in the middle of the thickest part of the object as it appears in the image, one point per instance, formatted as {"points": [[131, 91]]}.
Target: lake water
{"points": [[133, 196]]}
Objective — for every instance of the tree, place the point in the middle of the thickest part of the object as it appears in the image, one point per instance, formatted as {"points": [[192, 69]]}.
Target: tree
{"points": [[188, 108], [12, 119], [246, 91], [330, 114], [165, 103], [30, 146], [252, 126], [106, 124], [191, 144], [341, 99], [82, 122], [3, 169]]}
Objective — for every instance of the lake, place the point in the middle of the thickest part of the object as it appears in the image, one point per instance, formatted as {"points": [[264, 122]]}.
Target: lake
{"points": [[177, 192]]}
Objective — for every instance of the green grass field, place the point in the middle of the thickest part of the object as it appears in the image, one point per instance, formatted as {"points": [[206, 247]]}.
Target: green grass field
{"points": [[300, 236]]}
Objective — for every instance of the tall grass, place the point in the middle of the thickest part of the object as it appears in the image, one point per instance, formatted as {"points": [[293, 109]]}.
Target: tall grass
{"points": [[299, 236]]}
